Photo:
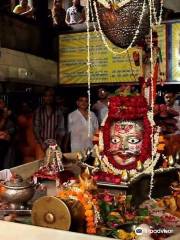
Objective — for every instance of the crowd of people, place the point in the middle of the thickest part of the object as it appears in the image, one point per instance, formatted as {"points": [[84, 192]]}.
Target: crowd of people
{"points": [[58, 15], [23, 138], [24, 135]]}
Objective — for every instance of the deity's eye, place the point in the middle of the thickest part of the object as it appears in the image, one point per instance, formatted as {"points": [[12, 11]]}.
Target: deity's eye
{"points": [[115, 140], [134, 140]]}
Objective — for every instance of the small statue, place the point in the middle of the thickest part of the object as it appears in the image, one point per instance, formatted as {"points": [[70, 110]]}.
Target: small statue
{"points": [[53, 155], [52, 164]]}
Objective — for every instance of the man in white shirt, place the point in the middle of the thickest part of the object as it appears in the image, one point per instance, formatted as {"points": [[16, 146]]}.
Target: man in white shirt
{"points": [[75, 14], [78, 126]]}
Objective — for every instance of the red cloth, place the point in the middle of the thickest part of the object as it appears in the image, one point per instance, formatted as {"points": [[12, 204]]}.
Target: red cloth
{"points": [[28, 145]]}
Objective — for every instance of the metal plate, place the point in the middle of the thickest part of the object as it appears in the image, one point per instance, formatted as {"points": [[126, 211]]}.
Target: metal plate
{"points": [[111, 185], [51, 212]]}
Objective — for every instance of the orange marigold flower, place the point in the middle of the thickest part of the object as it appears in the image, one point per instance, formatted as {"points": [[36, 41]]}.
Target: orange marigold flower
{"points": [[90, 219], [88, 213], [88, 206], [91, 230]]}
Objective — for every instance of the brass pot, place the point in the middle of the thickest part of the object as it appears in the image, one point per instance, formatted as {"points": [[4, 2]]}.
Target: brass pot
{"points": [[120, 24], [17, 191]]}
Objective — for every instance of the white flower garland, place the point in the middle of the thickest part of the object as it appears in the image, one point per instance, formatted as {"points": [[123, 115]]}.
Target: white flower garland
{"points": [[155, 158], [134, 174], [88, 71], [97, 216], [157, 21], [151, 116], [92, 16]]}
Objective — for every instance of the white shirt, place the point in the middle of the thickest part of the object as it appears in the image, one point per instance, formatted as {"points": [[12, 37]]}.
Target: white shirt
{"points": [[101, 110], [74, 15], [78, 128]]}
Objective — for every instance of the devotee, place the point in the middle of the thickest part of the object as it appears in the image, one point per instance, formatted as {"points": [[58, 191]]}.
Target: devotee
{"points": [[7, 130], [101, 106], [23, 9], [48, 120], [78, 125], [27, 145], [58, 14], [173, 104], [157, 57], [75, 14], [6, 110]]}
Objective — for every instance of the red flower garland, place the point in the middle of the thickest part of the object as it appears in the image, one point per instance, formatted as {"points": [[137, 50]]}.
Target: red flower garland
{"points": [[132, 108]]}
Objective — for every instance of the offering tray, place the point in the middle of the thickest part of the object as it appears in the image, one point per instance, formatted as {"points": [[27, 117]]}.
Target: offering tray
{"points": [[112, 185], [42, 176], [162, 182], [9, 213]]}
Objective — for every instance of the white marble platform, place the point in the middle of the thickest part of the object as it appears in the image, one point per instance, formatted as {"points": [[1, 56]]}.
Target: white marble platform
{"points": [[16, 231]]}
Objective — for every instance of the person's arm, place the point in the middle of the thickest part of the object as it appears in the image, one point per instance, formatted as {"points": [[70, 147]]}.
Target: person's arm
{"points": [[95, 124], [83, 17], [60, 132], [69, 123], [16, 10], [28, 12], [37, 126], [8, 131], [67, 19], [55, 18]]}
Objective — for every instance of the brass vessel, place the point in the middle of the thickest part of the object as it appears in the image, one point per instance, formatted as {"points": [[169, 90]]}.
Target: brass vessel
{"points": [[17, 191]]}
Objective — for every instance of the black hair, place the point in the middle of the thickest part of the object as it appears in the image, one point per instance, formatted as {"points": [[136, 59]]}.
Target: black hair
{"points": [[80, 8], [103, 87], [48, 89], [82, 95]]}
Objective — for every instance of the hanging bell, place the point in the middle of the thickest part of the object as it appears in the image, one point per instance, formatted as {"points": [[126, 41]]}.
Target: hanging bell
{"points": [[121, 27], [125, 175], [171, 160], [139, 166]]}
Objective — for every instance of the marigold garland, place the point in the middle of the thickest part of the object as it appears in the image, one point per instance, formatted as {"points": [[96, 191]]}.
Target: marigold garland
{"points": [[88, 202]]}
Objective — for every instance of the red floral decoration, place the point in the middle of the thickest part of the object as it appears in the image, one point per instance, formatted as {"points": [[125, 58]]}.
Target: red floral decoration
{"points": [[132, 108]]}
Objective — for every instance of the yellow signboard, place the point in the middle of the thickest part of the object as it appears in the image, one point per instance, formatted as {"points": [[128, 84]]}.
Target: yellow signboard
{"points": [[175, 58], [161, 31], [106, 67]]}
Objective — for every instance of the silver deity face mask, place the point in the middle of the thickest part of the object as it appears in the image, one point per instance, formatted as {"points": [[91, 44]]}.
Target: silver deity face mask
{"points": [[126, 141]]}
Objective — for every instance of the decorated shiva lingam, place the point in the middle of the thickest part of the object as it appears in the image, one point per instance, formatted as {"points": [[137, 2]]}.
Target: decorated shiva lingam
{"points": [[17, 192], [124, 149]]}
